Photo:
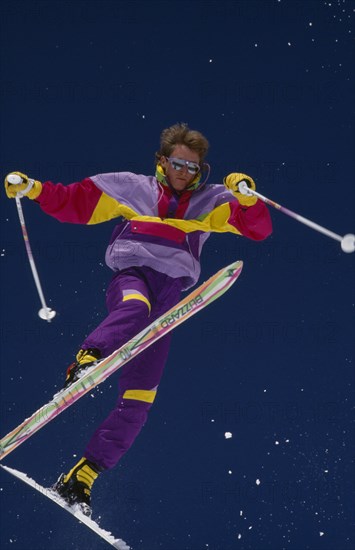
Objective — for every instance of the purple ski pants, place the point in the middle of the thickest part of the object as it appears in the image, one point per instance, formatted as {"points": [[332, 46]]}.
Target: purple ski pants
{"points": [[135, 297]]}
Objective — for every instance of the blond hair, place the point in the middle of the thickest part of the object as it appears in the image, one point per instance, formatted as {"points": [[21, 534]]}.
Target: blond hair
{"points": [[180, 134]]}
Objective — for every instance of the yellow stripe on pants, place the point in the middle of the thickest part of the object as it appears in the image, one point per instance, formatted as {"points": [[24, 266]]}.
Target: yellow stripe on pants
{"points": [[140, 395], [137, 296]]}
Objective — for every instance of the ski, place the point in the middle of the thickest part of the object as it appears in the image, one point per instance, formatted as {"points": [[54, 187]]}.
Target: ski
{"points": [[54, 497], [202, 296]]}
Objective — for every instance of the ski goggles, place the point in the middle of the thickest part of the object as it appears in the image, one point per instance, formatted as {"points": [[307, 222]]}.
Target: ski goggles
{"points": [[178, 164]]}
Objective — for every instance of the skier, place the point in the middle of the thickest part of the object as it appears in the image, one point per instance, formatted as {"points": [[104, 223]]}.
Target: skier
{"points": [[154, 252]]}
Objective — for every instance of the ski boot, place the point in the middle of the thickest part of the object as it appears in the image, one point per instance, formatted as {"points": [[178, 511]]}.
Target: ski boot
{"points": [[84, 359], [75, 487]]}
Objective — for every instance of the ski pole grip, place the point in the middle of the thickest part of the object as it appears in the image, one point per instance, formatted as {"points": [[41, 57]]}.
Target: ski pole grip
{"points": [[244, 189], [14, 179]]}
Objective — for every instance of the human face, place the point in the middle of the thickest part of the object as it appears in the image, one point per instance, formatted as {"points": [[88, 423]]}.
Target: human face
{"points": [[180, 179]]}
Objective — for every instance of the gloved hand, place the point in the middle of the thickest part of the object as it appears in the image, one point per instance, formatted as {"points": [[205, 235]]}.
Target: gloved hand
{"points": [[28, 187], [232, 182]]}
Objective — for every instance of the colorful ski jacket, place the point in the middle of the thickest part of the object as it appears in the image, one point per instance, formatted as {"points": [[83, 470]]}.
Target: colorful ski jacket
{"points": [[158, 228]]}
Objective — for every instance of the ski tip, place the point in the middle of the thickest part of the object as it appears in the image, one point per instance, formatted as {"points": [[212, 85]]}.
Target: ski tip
{"points": [[235, 267], [238, 264]]}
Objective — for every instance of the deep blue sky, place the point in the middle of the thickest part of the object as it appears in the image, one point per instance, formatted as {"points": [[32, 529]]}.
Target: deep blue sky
{"points": [[87, 88]]}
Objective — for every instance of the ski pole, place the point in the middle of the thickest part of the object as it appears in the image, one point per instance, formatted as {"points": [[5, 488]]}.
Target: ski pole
{"points": [[347, 242], [45, 312]]}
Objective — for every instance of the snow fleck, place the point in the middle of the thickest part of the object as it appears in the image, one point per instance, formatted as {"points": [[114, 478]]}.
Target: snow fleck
{"points": [[228, 435], [289, 43], [241, 513], [321, 533], [258, 481], [255, 45], [230, 472], [239, 536], [210, 60], [250, 527], [277, 442], [310, 24]]}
